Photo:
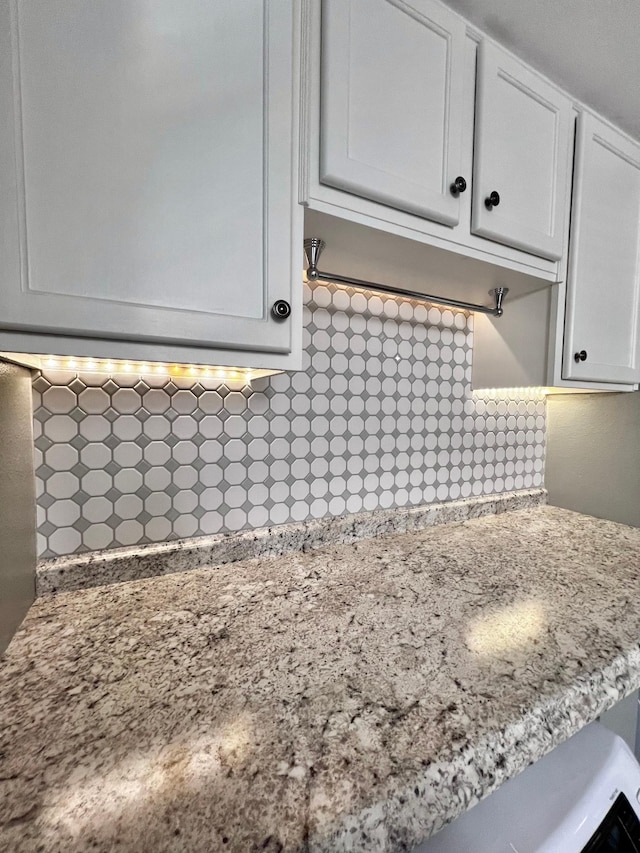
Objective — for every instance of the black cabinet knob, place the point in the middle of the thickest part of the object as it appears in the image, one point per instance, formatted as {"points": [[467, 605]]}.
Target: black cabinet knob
{"points": [[458, 186], [580, 356], [492, 200], [281, 309]]}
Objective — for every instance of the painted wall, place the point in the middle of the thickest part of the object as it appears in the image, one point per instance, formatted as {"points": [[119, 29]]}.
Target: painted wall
{"points": [[381, 416], [593, 466], [593, 454], [17, 500]]}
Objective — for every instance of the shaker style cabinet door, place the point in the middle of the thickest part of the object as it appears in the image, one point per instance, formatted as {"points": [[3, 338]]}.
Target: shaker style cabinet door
{"points": [[146, 169], [523, 136], [603, 287], [392, 79]]}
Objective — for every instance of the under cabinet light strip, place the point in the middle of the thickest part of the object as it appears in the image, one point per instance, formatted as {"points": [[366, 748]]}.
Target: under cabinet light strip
{"points": [[236, 375], [313, 247], [526, 393]]}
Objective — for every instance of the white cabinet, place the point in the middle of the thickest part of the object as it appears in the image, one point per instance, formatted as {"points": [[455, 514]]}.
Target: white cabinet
{"points": [[392, 87], [583, 333], [148, 174], [390, 109], [523, 135], [603, 288]]}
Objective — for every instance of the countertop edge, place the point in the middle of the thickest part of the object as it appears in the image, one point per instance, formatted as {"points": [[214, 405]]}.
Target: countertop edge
{"points": [[460, 779]]}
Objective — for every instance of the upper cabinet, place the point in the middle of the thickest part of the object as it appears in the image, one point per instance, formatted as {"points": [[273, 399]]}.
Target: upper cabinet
{"points": [[584, 333], [416, 127], [603, 288], [392, 86], [152, 157], [523, 136], [148, 171]]}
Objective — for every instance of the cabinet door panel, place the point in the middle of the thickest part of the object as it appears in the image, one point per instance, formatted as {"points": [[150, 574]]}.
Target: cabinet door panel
{"points": [[392, 82], [522, 151], [603, 288], [147, 206]]}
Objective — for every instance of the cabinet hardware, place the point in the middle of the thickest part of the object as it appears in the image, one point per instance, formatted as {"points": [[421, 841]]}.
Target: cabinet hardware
{"points": [[580, 356], [458, 186], [281, 309], [313, 247], [492, 200]]}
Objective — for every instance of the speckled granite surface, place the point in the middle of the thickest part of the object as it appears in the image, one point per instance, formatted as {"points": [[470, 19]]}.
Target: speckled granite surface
{"points": [[125, 564], [352, 698]]}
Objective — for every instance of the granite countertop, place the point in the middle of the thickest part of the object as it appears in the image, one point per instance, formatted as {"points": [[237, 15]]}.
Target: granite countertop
{"points": [[352, 698]]}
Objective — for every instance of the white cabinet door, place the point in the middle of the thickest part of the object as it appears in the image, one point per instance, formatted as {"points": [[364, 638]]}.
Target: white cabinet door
{"points": [[603, 305], [146, 169], [523, 136], [392, 88]]}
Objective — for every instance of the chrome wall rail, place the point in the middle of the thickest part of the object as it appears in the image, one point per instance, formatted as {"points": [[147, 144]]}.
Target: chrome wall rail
{"points": [[313, 247]]}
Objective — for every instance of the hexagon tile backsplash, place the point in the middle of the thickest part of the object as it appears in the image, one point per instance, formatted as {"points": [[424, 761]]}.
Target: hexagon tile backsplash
{"points": [[381, 416]]}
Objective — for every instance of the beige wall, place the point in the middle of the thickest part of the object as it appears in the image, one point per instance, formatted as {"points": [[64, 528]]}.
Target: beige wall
{"points": [[593, 454], [17, 500], [593, 466]]}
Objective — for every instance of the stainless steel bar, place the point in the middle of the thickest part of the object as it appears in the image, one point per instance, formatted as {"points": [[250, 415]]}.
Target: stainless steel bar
{"points": [[496, 311], [313, 247]]}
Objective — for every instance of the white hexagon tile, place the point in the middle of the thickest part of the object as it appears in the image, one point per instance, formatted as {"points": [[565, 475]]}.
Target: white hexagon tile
{"points": [[381, 416]]}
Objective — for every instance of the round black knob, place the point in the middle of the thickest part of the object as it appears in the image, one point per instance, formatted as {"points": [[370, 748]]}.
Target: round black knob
{"points": [[458, 186], [580, 356], [281, 309], [492, 200]]}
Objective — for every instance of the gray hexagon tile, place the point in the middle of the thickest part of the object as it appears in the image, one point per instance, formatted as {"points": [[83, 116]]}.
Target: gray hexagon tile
{"points": [[382, 416]]}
